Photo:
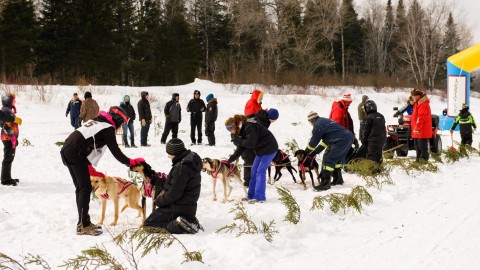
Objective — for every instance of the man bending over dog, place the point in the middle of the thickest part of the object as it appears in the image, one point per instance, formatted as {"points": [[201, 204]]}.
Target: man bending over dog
{"points": [[86, 146], [337, 138], [177, 203]]}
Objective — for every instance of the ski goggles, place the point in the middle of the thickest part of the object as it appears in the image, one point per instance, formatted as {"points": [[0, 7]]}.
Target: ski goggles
{"points": [[120, 113], [229, 127]]}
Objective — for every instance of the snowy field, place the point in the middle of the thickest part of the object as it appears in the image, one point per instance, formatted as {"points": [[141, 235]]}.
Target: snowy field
{"points": [[426, 222]]}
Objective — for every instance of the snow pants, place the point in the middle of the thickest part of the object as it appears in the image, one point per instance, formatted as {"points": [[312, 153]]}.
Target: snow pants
{"points": [[258, 181], [196, 124]]}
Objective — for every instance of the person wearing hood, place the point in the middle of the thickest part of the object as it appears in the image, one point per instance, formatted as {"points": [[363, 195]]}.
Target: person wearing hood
{"points": [[254, 104], [89, 108], [421, 124], [196, 107], [177, 203], [86, 146], [10, 132], [145, 117], [173, 116], [362, 115], [467, 125], [128, 108], [73, 108], [210, 118]]}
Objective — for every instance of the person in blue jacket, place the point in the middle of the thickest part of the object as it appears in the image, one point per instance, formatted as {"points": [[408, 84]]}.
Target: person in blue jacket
{"points": [[407, 108], [329, 133], [73, 108]]}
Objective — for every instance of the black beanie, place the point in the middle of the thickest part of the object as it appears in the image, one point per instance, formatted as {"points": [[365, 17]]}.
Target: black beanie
{"points": [[175, 147], [87, 95]]}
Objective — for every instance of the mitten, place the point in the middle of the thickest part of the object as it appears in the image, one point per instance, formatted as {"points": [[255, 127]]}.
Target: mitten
{"points": [[136, 161], [143, 123], [18, 120]]}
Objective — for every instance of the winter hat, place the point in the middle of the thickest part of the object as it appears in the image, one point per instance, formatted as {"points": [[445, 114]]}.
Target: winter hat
{"points": [[417, 92], [464, 106], [175, 147], [93, 172], [312, 116], [87, 95], [209, 97], [347, 98], [272, 114]]}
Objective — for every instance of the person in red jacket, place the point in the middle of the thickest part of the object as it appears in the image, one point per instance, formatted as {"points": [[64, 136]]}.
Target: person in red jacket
{"points": [[340, 114], [421, 124], [254, 104]]}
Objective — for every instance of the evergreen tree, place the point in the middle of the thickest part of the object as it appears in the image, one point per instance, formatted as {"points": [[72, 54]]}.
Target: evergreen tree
{"points": [[389, 33], [449, 45], [147, 42], [349, 46], [17, 36], [212, 31], [177, 61]]}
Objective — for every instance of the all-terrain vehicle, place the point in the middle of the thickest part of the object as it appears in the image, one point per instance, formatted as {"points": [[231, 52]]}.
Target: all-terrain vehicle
{"points": [[399, 137]]}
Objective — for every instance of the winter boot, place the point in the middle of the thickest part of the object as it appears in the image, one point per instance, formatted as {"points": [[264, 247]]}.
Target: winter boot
{"points": [[325, 176], [91, 229], [9, 182], [337, 177], [189, 226]]}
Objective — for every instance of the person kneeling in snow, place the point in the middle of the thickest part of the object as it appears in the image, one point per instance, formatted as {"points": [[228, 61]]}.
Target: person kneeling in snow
{"points": [[177, 202]]}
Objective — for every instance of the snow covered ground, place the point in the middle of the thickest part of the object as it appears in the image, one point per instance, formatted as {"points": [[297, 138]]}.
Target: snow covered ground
{"points": [[424, 222]]}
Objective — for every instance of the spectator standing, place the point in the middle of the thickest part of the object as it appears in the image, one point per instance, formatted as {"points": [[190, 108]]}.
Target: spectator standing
{"points": [[73, 108], [89, 108], [421, 124], [130, 111], [173, 117], [362, 115], [375, 134], [467, 125], [145, 116], [210, 118], [9, 135], [196, 107]]}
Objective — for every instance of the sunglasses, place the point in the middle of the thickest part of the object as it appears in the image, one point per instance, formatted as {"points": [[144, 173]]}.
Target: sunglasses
{"points": [[124, 117]]}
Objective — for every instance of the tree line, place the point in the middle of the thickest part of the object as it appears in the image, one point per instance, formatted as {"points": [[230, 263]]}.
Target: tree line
{"points": [[167, 42]]}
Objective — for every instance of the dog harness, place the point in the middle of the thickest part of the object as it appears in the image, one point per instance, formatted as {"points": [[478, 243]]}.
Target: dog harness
{"points": [[225, 162], [148, 187], [302, 166], [125, 185], [284, 155]]}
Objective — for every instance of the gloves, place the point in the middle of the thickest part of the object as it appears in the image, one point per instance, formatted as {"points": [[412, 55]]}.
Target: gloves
{"points": [[136, 161], [355, 142], [451, 131], [167, 116], [396, 114], [143, 123], [18, 121]]}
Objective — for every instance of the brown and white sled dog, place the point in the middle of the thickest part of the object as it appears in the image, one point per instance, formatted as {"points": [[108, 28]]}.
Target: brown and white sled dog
{"points": [[114, 188], [221, 169]]}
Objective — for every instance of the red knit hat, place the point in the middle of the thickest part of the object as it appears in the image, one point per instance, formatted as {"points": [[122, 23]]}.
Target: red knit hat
{"points": [[93, 172], [347, 98]]}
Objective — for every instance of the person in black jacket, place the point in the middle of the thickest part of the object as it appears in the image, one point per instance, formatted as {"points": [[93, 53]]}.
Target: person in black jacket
{"points": [[177, 203], [374, 134], [145, 116], [73, 108], [467, 125], [85, 146], [248, 134], [196, 107], [266, 117], [128, 108], [173, 117], [10, 131], [210, 118]]}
